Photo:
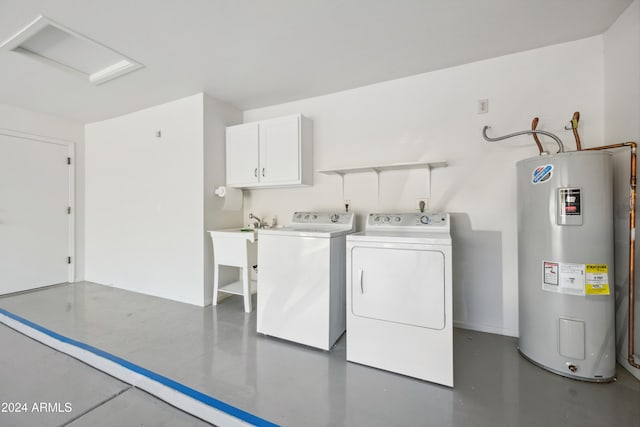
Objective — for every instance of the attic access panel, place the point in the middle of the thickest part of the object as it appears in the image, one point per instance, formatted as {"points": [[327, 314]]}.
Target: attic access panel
{"points": [[58, 46]]}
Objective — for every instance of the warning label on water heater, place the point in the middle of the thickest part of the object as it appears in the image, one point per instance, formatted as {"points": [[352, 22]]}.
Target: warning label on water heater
{"points": [[550, 273], [575, 279], [563, 278]]}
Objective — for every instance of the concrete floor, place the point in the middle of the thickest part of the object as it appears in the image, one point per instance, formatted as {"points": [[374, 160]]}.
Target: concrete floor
{"points": [[217, 351], [74, 394]]}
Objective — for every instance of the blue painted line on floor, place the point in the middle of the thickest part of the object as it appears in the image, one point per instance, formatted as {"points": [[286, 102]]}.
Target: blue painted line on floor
{"points": [[199, 396]]}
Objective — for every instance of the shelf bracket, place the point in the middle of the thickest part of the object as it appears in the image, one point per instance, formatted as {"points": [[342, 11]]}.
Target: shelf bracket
{"points": [[429, 184], [377, 171]]}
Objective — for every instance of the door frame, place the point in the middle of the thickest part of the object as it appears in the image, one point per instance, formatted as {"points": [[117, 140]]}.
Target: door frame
{"points": [[71, 275]]}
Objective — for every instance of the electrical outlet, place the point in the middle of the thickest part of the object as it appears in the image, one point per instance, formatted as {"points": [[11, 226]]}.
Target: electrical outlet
{"points": [[483, 106], [422, 204], [347, 205]]}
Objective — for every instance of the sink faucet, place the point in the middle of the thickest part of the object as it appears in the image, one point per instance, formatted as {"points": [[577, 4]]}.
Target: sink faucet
{"points": [[258, 222]]}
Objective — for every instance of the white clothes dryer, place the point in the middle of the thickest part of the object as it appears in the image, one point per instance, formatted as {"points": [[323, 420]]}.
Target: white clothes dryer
{"points": [[301, 279], [399, 295]]}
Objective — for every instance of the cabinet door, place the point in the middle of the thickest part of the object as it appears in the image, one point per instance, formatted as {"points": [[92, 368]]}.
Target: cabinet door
{"points": [[280, 151], [242, 154]]}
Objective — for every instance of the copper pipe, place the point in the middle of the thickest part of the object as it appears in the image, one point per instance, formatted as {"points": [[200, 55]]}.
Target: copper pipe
{"points": [[574, 125], [534, 125], [632, 249]]}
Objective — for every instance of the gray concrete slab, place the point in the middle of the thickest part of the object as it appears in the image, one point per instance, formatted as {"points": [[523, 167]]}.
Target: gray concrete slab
{"points": [[42, 387], [136, 408], [47, 387], [217, 351]]}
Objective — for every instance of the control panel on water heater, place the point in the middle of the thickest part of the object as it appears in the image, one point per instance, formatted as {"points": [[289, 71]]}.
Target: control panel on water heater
{"points": [[569, 202], [406, 220]]}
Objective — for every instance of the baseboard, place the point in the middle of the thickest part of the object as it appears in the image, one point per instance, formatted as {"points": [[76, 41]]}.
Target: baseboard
{"points": [[485, 328]]}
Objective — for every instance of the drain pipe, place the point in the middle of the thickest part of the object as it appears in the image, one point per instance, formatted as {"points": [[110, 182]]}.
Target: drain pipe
{"points": [[632, 247]]}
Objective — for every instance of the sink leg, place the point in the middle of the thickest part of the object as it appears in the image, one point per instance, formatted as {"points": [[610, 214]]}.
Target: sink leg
{"points": [[216, 282], [246, 287]]}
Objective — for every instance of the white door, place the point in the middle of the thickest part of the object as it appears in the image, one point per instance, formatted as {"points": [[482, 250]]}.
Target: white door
{"points": [[280, 151], [399, 285], [242, 154], [34, 221]]}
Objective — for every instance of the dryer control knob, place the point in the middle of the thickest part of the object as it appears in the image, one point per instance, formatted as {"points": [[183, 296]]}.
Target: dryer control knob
{"points": [[315, 217], [335, 218], [386, 219], [306, 217], [397, 219], [425, 219]]}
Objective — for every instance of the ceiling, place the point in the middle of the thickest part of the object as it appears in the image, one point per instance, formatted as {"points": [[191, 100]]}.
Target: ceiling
{"points": [[254, 53]]}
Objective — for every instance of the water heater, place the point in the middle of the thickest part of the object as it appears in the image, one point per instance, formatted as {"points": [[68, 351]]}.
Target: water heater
{"points": [[565, 264]]}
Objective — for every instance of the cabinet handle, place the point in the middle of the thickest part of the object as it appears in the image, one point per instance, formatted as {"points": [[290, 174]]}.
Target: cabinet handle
{"points": [[361, 282], [255, 172], [262, 171]]}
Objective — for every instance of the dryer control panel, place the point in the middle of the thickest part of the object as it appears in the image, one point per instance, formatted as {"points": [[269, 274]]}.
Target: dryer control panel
{"points": [[411, 221]]}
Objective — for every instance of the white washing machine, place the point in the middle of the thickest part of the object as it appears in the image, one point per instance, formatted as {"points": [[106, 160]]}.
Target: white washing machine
{"points": [[301, 279], [399, 296]]}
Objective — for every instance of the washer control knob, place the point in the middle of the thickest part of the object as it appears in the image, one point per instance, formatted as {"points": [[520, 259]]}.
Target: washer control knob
{"points": [[397, 219], [376, 219], [306, 217], [335, 218], [424, 219], [386, 219], [315, 217], [299, 216]]}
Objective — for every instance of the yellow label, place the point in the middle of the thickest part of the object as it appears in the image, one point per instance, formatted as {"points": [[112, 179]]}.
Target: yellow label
{"points": [[597, 280], [597, 268], [597, 289]]}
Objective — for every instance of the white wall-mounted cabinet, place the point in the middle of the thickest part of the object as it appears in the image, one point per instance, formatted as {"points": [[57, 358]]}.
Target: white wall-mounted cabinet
{"points": [[270, 153]]}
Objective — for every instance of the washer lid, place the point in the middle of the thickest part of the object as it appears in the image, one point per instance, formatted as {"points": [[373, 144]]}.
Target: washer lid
{"points": [[414, 237]]}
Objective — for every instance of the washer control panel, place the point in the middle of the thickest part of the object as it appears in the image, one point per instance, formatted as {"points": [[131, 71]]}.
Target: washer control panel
{"points": [[328, 218], [409, 220]]}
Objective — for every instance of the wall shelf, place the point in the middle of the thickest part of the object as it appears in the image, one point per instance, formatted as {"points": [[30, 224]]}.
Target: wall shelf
{"points": [[380, 168]]}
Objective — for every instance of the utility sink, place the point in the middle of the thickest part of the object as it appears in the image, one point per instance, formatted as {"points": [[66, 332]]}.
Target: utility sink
{"points": [[249, 234], [235, 247]]}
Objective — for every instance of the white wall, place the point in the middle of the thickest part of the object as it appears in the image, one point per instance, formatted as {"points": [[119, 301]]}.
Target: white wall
{"points": [[432, 117], [144, 205], [622, 123], [150, 200], [217, 116], [21, 120], [17, 119]]}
